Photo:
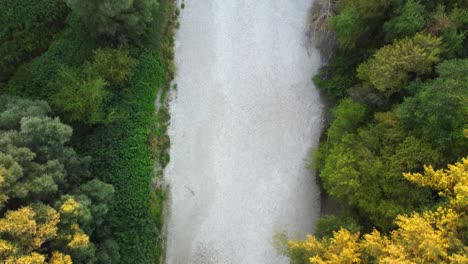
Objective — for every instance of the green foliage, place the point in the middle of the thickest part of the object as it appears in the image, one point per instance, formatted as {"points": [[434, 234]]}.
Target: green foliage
{"points": [[125, 20], [71, 49], [419, 116], [392, 66], [33, 151], [39, 171], [439, 112], [122, 156], [410, 19], [327, 224], [159, 140], [28, 28], [113, 65], [347, 26], [365, 169], [80, 98], [82, 93], [336, 77], [349, 115], [87, 81], [369, 11]]}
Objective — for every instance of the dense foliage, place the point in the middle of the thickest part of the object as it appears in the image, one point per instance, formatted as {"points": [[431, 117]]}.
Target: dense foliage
{"points": [[398, 75], [28, 28], [99, 65], [123, 19], [435, 236], [50, 204], [122, 156]]}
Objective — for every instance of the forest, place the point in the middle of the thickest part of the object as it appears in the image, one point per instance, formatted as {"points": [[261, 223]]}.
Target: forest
{"points": [[394, 155], [80, 136]]}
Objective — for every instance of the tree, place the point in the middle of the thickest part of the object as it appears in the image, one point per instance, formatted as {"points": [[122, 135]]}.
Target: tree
{"points": [[113, 65], [363, 168], [25, 230], [392, 66], [348, 115], [80, 98], [437, 236], [451, 26], [126, 20], [410, 19], [369, 11], [60, 207], [438, 112], [328, 223], [347, 26], [338, 75], [82, 93]]}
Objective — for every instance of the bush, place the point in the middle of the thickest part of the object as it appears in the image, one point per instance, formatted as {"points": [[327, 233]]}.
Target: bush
{"points": [[122, 156]]}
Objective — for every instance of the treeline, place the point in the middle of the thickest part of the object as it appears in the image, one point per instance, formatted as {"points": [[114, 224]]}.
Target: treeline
{"points": [[399, 75], [79, 132]]}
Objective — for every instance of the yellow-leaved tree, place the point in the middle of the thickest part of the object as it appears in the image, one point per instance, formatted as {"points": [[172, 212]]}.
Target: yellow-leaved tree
{"points": [[438, 236]]}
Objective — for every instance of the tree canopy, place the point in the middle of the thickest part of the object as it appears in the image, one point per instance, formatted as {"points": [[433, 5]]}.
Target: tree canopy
{"points": [[391, 66], [126, 20], [50, 205], [434, 236]]}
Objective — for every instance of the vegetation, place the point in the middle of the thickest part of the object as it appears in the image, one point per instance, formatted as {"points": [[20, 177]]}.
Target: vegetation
{"points": [[122, 156], [51, 204], [81, 192], [434, 236], [398, 76], [28, 28], [123, 20]]}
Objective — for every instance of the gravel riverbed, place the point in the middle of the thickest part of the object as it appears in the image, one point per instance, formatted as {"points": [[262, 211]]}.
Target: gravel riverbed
{"points": [[244, 117]]}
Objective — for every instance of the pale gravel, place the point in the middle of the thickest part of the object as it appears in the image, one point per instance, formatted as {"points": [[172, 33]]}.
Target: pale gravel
{"points": [[244, 118]]}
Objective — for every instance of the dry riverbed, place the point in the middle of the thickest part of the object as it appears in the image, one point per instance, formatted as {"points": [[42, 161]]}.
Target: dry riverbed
{"points": [[244, 118]]}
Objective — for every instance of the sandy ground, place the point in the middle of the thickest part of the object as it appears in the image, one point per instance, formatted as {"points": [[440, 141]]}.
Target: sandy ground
{"points": [[243, 120]]}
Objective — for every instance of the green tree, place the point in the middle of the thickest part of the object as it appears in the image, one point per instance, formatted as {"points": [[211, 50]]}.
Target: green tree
{"points": [[369, 11], [438, 113], [348, 116], [364, 168], [28, 28], [410, 19], [123, 19], [347, 26], [82, 93], [113, 65], [80, 97], [338, 75], [391, 66]]}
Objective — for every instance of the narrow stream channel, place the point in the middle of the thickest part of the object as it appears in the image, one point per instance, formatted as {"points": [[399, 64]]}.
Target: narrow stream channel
{"points": [[244, 118]]}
